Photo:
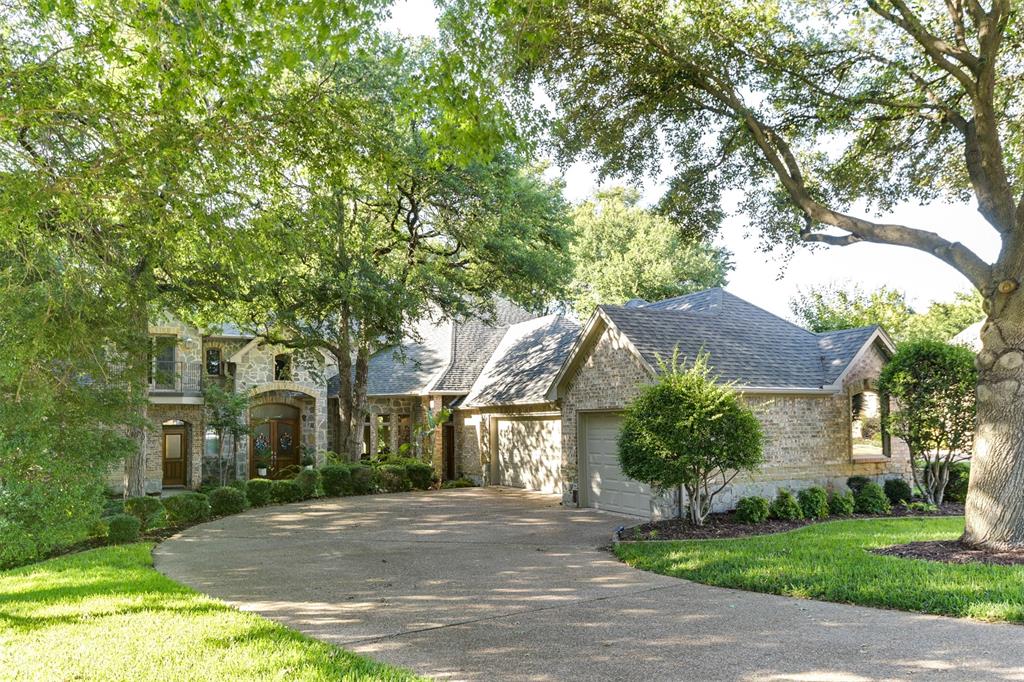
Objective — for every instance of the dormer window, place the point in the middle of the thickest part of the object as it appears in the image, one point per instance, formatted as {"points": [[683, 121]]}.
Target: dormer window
{"points": [[282, 367]]}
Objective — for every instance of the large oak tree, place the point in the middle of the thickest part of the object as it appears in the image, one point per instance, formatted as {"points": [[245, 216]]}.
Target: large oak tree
{"points": [[811, 108]]}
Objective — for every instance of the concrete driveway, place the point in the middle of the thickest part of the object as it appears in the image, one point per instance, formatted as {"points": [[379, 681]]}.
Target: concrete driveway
{"points": [[495, 584]]}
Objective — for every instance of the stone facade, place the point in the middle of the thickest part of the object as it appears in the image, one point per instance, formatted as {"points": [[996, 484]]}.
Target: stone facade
{"points": [[807, 435]]}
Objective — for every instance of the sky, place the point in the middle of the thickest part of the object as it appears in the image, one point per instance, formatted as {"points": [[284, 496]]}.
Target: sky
{"points": [[767, 279]]}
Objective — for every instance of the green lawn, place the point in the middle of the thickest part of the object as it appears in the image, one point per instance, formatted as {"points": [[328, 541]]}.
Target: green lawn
{"points": [[106, 614], [829, 562]]}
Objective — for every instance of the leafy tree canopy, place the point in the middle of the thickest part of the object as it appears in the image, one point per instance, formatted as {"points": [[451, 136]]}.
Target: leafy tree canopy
{"points": [[621, 251]]}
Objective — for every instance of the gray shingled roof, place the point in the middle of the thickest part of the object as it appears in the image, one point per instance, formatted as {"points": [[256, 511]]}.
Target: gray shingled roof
{"points": [[474, 343], [746, 344], [525, 362]]}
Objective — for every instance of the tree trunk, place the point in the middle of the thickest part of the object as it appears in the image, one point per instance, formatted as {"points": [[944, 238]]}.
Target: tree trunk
{"points": [[995, 497], [139, 367], [359, 388], [343, 439]]}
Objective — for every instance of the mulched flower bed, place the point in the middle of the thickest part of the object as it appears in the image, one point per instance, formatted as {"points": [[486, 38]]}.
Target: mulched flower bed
{"points": [[726, 526], [953, 552]]}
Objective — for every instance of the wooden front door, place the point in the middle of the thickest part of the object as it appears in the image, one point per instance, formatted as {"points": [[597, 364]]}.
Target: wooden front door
{"points": [[275, 441], [175, 454]]}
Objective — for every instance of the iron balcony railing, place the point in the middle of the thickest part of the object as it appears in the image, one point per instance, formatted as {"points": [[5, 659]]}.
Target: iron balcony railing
{"points": [[176, 377]]}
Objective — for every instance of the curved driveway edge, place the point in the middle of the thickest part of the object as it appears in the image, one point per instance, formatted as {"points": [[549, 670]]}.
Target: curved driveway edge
{"points": [[491, 583]]}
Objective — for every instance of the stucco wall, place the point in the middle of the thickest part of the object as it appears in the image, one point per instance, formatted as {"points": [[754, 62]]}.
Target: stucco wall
{"points": [[807, 437]]}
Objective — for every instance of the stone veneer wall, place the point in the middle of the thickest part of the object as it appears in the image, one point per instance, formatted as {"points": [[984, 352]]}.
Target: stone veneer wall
{"points": [[157, 414], [475, 435], [807, 437]]}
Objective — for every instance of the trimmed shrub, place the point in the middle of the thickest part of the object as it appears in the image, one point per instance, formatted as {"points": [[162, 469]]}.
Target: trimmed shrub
{"points": [[458, 483], [187, 508], [421, 474], [257, 491], [226, 501], [752, 509], [113, 506], [285, 491], [785, 507], [362, 479], [99, 528], [308, 481], [897, 490], [336, 479], [956, 488], [814, 503], [393, 478], [841, 504], [237, 484], [921, 507], [871, 499], [855, 483], [145, 509], [123, 528]]}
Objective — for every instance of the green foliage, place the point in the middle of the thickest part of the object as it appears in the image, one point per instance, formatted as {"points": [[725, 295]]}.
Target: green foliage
{"points": [[753, 509], [362, 479], [933, 384], [187, 508], [132, 623], [834, 562], [897, 490], [308, 481], [146, 509], [123, 528], [855, 483], [392, 478], [458, 483], [257, 491], [421, 474], [832, 307], [227, 500], [944, 320], [956, 487], [284, 491], [814, 503], [841, 504], [871, 499], [621, 251], [337, 480], [923, 507], [785, 507], [226, 412], [687, 430]]}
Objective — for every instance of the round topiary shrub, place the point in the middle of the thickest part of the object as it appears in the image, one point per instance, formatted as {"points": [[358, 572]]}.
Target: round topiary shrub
{"points": [[872, 500], [226, 501], [145, 509], [336, 479], [855, 483], [420, 474], [257, 491], [897, 490], [841, 504], [308, 481], [123, 528], [362, 479], [282, 492], [752, 509], [393, 478], [187, 508], [813, 503], [785, 507]]}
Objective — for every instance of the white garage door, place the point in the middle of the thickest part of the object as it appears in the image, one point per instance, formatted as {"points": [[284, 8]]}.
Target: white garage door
{"points": [[604, 485], [530, 454]]}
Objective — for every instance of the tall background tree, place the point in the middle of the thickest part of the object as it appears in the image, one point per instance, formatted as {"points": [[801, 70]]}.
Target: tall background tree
{"points": [[811, 108], [621, 250]]}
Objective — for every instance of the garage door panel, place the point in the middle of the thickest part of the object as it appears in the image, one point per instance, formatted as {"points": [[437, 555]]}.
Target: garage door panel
{"points": [[607, 487], [530, 454]]}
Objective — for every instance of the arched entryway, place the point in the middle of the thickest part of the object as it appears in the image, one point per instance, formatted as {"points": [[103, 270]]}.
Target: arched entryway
{"points": [[276, 447]]}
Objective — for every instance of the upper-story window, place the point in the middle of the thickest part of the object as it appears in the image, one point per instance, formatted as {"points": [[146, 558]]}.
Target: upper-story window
{"points": [[868, 434], [214, 365], [165, 350], [282, 367]]}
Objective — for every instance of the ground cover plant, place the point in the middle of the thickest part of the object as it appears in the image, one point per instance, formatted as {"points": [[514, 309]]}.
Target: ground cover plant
{"points": [[107, 614], [832, 562]]}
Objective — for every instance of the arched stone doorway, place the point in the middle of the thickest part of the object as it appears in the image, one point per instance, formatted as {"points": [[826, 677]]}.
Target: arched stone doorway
{"points": [[276, 446]]}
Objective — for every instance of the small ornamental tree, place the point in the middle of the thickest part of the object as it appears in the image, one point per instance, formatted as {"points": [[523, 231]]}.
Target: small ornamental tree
{"points": [[688, 431], [933, 384]]}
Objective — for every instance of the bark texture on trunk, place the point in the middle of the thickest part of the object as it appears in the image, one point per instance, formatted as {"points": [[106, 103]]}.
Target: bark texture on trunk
{"points": [[995, 497], [359, 389], [343, 437], [139, 363]]}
